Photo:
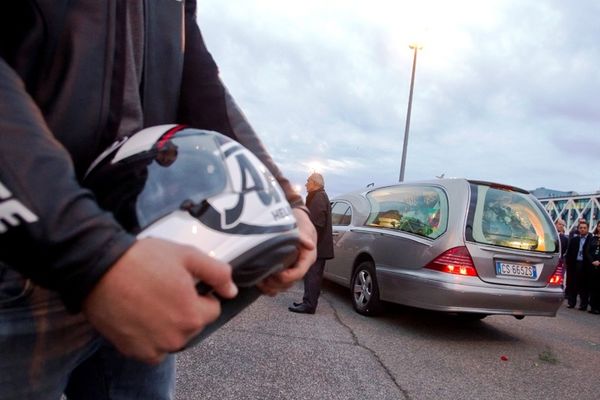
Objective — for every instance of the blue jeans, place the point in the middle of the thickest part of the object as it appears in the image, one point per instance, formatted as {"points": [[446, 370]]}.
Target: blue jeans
{"points": [[45, 352]]}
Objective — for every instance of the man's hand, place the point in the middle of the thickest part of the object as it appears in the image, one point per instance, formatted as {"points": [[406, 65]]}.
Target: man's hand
{"points": [[147, 304], [307, 255]]}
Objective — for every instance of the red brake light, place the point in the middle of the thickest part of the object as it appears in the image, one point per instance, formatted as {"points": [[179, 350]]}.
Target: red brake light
{"points": [[558, 276], [455, 261]]}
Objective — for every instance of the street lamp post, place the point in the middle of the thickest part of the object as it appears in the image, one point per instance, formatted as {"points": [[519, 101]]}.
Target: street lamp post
{"points": [[415, 48]]}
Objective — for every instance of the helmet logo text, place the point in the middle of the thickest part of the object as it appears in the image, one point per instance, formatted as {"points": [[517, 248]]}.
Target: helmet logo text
{"points": [[267, 193]]}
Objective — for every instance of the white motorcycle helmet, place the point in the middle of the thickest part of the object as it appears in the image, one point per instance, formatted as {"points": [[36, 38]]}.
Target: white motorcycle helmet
{"points": [[203, 189]]}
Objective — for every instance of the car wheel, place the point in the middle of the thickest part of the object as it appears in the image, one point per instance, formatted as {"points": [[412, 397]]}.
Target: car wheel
{"points": [[365, 292]]}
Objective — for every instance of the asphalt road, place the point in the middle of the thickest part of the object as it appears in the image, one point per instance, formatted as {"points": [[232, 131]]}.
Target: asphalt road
{"points": [[267, 352]]}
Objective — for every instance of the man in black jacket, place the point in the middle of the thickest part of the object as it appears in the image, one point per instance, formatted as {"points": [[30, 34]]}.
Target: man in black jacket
{"points": [[562, 237], [593, 262], [577, 284], [320, 215], [74, 77], [564, 244]]}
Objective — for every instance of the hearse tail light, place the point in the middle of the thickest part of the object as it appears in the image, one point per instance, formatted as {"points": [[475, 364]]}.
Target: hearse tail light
{"points": [[558, 276], [455, 261]]}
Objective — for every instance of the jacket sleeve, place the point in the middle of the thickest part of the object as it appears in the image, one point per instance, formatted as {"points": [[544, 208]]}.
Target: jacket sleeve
{"points": [[571, 253], [588, 249], [51, 229], [205, 102]]}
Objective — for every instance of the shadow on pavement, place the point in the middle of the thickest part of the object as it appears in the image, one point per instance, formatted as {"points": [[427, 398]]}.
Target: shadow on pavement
{"points": [[426, 323]]}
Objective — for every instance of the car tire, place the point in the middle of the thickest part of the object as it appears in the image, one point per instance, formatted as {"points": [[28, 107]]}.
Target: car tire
{"points": [[365, 291]]}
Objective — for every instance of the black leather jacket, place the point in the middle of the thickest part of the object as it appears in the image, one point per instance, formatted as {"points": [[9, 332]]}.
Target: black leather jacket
{"points": [[57, 73]]}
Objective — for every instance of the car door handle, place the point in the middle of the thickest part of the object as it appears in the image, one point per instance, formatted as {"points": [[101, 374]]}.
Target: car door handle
{"points": [[335, 233]]}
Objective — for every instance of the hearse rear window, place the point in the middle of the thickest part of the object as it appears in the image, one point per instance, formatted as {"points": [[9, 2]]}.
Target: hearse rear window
{"points": [[508, 218]]}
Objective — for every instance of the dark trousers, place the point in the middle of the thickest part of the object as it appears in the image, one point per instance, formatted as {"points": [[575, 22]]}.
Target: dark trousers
{"points": [[569, 281], [312, 283], [577, 284], [595, 288]]}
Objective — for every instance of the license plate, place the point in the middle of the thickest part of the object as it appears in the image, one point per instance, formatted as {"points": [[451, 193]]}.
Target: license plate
{"points": [[518, 270]]}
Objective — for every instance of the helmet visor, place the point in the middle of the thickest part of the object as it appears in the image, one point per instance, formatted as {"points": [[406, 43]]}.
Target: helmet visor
{"points": [[150, 184]]}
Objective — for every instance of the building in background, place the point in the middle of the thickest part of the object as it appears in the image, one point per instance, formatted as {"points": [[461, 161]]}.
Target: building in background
{"points": [[542, 193], [570, 206]]}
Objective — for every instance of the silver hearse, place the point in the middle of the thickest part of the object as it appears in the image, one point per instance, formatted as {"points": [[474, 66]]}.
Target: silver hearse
{"points": [[467, 247]]}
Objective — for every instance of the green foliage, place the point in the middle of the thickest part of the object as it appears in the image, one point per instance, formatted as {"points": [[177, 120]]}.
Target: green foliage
{"points": [[548, 356]]}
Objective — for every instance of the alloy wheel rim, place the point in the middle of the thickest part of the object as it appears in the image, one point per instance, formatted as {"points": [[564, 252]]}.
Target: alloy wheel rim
{"points": [[363, 288]]}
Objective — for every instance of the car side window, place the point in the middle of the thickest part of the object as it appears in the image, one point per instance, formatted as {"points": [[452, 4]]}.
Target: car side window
{"points": [[341, 213], [422, 210]]}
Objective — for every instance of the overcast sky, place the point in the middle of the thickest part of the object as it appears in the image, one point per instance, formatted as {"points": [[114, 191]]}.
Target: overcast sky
{"points": [[505, 91]]}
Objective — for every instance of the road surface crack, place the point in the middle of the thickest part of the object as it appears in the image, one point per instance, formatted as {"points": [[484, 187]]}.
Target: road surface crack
{"points": [[357, 343]]}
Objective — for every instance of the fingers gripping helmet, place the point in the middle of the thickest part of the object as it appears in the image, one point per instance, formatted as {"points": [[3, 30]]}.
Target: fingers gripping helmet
{"points": [[200, 188]]}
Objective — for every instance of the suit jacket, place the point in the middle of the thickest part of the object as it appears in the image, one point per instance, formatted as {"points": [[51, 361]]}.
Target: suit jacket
{"points": [[593, 250], [573, 249], [564, 244], [320, 215]]}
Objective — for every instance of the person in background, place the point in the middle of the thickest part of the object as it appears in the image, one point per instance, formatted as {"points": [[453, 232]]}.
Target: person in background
{"points": [[562, 237], [85, 307], [318, 203], [577, 284], [564, 244], [575, 229], [593, 262]]}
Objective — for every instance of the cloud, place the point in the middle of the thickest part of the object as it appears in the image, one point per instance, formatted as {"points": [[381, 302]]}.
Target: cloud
{"points": [[504, 91]]}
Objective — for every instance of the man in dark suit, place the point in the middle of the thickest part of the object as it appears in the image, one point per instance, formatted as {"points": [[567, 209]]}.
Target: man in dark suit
{"points": [[575, 229], [562, 237], [317, 202], [576, 268], [593, 263], [564, 244]]}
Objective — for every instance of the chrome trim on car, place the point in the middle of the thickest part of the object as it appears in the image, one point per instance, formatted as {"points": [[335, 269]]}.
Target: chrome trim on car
{"points": [[389, 233], [513, 251]]}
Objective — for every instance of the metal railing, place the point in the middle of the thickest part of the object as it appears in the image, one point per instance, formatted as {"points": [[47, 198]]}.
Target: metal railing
{"points": [[572, 208]]}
